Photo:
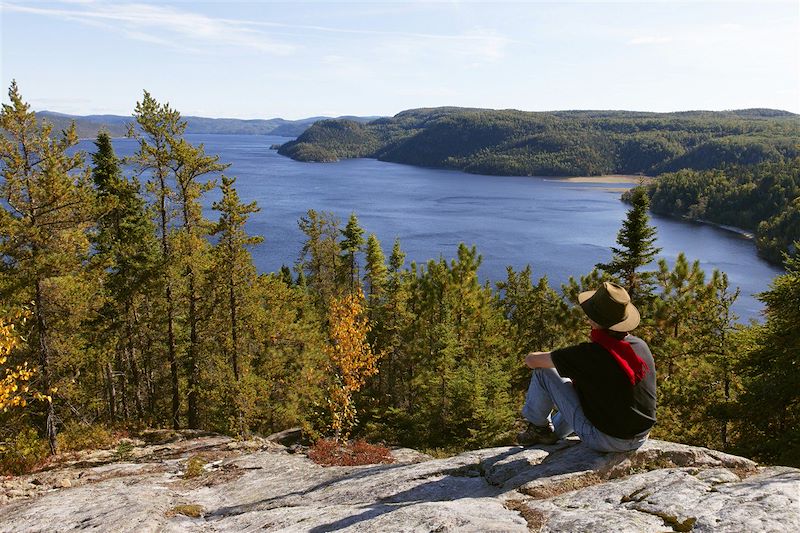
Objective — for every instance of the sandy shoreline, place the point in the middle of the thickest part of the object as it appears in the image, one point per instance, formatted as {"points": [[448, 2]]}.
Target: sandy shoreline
{"points": [[610, 178]]}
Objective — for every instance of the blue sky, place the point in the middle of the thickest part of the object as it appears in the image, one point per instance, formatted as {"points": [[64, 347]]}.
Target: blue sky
{"points": [[262, 59]]}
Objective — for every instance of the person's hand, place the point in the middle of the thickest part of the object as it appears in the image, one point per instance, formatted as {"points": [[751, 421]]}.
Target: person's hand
{"points": [[538, 360]]}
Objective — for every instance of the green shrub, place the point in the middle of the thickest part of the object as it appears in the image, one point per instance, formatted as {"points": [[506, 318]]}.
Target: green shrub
{"points": [[22, 454], [124, 450]]}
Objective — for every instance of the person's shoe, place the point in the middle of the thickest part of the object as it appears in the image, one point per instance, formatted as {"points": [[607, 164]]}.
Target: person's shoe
{"points": [[536, 435]]}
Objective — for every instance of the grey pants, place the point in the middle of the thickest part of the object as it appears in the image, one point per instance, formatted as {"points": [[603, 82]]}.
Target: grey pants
{"points": [[547, 390]]}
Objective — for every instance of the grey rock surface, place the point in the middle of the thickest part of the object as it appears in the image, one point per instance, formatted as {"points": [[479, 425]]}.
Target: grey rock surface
{"points": [[258, 485]]}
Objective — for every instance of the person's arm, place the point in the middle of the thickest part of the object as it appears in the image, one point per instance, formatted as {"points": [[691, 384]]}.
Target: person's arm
{"points": [[539, 360]]}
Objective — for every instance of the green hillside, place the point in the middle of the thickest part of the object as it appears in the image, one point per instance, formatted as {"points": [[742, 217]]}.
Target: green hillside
{"points": [[561, 143]]}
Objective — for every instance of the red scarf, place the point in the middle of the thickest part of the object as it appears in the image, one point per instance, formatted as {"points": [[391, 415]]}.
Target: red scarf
{"points": [[623, 354]]}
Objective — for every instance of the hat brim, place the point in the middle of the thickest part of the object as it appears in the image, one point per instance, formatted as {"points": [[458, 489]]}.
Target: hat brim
{"points": [[632, 320]]}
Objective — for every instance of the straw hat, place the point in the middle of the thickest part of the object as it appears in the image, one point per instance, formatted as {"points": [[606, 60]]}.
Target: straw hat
{"points": [[611, 307]]}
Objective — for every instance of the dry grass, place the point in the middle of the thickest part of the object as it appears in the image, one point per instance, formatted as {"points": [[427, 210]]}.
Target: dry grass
{"points": [[328, 452], [534, 518]]}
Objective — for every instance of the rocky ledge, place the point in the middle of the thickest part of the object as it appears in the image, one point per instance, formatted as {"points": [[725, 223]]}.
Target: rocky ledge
{"points": [[260, 485]]}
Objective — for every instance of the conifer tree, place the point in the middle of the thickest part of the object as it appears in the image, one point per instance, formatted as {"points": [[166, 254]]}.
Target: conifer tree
{"points": [[190, 164], [375, 270], [320, 261], [233, 260], [157, 128], [770, 403], [459, 363], [44, 223], [535, 317], [230, 305], [286, 275], [690, 334], [351, 244], [389, 330], [127, 253], [636, 241], [397, 259], [717, 333]]}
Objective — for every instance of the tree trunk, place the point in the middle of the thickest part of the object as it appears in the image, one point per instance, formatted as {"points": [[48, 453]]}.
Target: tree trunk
{"points": [[131, 362], [111, 391], [120, 363], [171, 351], [191, 355], [234, 332], [44, 362], [173, 361]]}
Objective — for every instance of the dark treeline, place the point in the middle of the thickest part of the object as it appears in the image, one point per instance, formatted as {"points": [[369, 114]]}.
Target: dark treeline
{"points": [[562, 143], [131, 309], [764, 199]]}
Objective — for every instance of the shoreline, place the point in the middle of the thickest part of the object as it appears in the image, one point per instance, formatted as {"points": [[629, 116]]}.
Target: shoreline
{"points": [[606, 178], [732, 229]]}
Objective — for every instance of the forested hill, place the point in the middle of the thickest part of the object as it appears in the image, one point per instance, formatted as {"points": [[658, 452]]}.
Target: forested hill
{"points": [[117, 125], [560, 143], [764, 199]]}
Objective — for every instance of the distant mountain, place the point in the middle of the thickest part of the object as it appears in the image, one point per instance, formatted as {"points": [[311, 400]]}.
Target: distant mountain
{"points": [[558, 143], [117, 126]]}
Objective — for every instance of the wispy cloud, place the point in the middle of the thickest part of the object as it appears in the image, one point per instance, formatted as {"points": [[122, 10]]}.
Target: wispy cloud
{"points": [[162, 25], [150, 23]]}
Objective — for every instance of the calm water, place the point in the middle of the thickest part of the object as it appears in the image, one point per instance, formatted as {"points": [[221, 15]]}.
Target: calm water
{"points": [[559, 228]]}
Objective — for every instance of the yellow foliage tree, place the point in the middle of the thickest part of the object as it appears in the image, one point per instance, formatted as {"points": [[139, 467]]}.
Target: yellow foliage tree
{"points": [[351, 359], [13, 380]]}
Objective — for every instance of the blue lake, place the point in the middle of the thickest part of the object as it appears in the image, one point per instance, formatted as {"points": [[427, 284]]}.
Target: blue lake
{"points": [[560, 228]]}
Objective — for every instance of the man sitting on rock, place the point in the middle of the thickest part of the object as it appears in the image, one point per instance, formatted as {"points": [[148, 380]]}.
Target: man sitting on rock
{"points": [[604, 390]]}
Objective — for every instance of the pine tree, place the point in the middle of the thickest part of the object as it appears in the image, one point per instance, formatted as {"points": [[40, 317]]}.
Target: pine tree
{"points": [[717, 334], [190, 164], [375, 273], [636, 249], [457, 363], [231, 285], [770, 403], [320, 262], [397, 259], [535, 317], [352, 244], [233, 260], [44, 223], [158, 127], [390, 322], [286, 275], [127, 253]]}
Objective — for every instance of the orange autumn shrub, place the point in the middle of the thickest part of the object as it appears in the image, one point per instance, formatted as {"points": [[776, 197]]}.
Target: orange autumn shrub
{"points": [[329, 452]]}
